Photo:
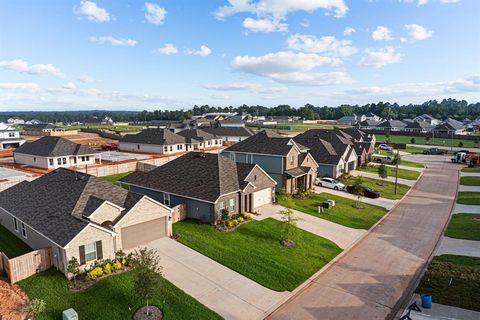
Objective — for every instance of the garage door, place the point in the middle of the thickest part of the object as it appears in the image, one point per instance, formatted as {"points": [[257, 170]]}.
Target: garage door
{"points": [[262, 197], [351, 165], [142, 233]]}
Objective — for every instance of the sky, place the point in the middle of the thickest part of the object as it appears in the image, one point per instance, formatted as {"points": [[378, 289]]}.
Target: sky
{"points": [[172, 54]]}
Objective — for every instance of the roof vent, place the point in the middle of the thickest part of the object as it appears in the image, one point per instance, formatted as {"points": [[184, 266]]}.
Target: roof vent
{"points": [[200, 155]]}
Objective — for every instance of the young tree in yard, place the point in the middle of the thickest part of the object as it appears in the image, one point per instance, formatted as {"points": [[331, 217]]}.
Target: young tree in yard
{"points": [[387, 138], [289, 222], [382, 172], [35, 308], [73, 268], [460, 144], [427, 139], [412, 141], [147, 272], [357, 189]]}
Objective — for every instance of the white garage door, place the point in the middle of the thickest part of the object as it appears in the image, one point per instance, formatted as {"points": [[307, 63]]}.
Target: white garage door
{"points": [[262, 197]]}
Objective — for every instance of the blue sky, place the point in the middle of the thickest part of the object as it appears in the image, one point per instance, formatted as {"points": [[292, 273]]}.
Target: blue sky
{"points": [[169, 54]]}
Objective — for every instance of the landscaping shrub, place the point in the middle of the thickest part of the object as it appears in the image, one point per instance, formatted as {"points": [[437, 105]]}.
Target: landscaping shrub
{"points": [[249, 216], [240, 220], [94, 273], [107, 268], [117, 265], [230, 224]]}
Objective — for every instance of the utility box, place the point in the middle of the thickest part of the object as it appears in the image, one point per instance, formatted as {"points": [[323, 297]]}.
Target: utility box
{"points": [[70, 314], [326, 205], [332, 202]]}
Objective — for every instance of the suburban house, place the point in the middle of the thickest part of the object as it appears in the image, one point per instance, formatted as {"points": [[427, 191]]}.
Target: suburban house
{"points": [[372, 117], [230, 134], [367, 124], [363, 143], [232, 122], [15, 121], [198, 139], [290, 164], [418, 127], [351, 120], [81, 216], [43, 129], [160, 141], [428, 119], [54, 152], [450, 126], [391, 125], [206, 184], [9, 137]]}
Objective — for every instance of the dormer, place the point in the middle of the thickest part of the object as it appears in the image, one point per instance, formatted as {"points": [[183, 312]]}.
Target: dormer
{"points": [[105, 214]]}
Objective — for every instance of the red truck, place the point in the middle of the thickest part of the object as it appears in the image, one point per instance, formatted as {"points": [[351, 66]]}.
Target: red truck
{"points": [[472, 159], [110, 147]]}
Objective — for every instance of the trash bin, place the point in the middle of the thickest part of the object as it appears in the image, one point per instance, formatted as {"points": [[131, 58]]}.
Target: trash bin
{"points": [[426, 300]]}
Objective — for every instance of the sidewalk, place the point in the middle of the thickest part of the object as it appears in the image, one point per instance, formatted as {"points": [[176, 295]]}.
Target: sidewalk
{"points": [[469, 174], [465, 208], [409, 183], [381, 202], [441, 312], [468, 188], [459, 247]]}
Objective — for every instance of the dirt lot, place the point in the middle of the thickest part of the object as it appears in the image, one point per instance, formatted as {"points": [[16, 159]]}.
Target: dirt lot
{"points": [[90, 139], [13, 300]]}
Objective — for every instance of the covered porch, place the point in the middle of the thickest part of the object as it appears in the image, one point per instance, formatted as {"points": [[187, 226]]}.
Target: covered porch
{"points": [[298, 180]]}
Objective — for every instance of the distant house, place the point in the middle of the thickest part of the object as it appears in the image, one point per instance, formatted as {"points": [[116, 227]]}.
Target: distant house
{"points": [[81, 216], [427, 118], [54, 152], [367, 124], [15, 121], [33, 121], [197, 139], [230, 134], [9, 137], [391, 125], [371, 116], [290, 164], [363, 143], [351, 120], [43, 129], [418, 127], [160, 141], [232, 122], [207, 184], [450, 126]]}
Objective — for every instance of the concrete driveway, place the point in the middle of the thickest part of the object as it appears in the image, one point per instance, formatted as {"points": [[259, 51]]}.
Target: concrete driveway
{"points": [[221, 289], [381, 202], [459, 247], [341, 235], [465, 208]]}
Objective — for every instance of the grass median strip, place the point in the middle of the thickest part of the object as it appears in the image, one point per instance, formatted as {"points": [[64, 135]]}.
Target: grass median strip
{"points": [[470, 181], [387, 190], [254, 250], [343, 213], [110, 298], [471, 170], [469, 198], [453, 280], [11, 245], [402, 173], [464, 226]]}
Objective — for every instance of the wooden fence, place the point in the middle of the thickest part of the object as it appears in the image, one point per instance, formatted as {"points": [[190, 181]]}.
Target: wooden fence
{"points": [[24, 266]]}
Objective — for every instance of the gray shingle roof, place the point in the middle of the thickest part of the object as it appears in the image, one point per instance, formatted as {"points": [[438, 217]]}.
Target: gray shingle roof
{"points": [[229, 131], [195, 135], [40, 127], [54, 147], [322, 151], [55, 203], [392, 124], [263, 143], [154, 136]]}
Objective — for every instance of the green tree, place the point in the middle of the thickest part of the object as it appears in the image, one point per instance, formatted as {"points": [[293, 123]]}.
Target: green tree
{"points": [[289, 220], [357, 189], [412, 141], [427, 138], [73, 268], [460, 144], [146, 273], [35, 308], [382, 172]]}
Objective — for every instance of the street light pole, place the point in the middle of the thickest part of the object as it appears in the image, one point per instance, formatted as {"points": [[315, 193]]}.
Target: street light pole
{"points": [[396, 169]]}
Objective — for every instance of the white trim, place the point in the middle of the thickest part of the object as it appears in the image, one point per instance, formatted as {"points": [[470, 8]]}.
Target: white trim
{"points": [[147, 198], [226, 194], [104, 202], [250, 184]]}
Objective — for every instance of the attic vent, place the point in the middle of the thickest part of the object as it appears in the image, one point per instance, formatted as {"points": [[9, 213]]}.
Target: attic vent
{"points": [[200, 155]]}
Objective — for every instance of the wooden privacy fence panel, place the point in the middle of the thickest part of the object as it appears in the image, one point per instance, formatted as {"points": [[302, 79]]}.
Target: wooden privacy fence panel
{"points": [[24, 266]]}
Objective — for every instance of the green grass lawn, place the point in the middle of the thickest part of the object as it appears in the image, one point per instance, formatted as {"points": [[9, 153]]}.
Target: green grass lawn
{"points": [[387, 191], [413, 164], [470, 181], [254, 250], [454, 281], [343, 213], [115, 177], [402, 173], [468, 197], [11, 245], [413, 150], [110, 298], [464, 226], [442, 142], [474, 169]]}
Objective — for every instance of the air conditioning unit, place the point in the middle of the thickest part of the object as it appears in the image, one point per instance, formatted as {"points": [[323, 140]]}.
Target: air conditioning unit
{"points": [[332, 202], [70, 314]]}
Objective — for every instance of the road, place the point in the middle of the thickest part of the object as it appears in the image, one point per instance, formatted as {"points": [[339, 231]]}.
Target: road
{"points": [[369, 280]]}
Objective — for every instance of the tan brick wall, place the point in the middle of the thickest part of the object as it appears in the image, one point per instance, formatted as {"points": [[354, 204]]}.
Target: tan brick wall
{"points": [[289, 165], [106, 212], [260, 179]]}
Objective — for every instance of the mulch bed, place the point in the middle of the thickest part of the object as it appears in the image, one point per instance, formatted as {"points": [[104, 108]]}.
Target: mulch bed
{"points": [[12, 301], [155, 314], [82, 284]]}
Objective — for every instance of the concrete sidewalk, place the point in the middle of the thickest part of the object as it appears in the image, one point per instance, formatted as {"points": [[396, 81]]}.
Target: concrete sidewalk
{"points": [[381, 202], [465, 208], [468, 188], [230, 294], [341, 235], [441, 312], [459, 247], [375, 176], [470, 174]]}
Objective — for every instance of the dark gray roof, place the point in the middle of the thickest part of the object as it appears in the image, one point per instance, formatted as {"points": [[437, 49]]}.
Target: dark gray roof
{"points": [[297, 172], [419, 125], [368, 123], [230, 131], [450, 124], [392, 124], [54, 147], [57, 203], [322, 151], [154, 136], [195, 135], [41, 126], [202, 176], [243, 170], [263, 143]]}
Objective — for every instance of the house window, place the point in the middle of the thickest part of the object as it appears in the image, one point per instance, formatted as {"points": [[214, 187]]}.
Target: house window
{"points": [[209, 142], [64, 160], [50, 161], [11, 134], [166, 199], [255, 178], [221, 205], [138, 147], [59, 161], [292, 160], [74, 160], [171, 148], [34, 159], [232, 156], [90, 251], [88, 158], [15, 224], [231, 205], [165, 149], [24, 230]]}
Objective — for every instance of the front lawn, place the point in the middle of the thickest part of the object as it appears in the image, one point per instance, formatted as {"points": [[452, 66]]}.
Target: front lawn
{"points": [[468, 197], [115, 177], [464, 226], [402, 173], [453, 280], [414, 150], [110, 298], [387, 190], [470, 181], [433, 141], [343, 213], [11, 245], [473, 169], [413, 164], [254, 250]]}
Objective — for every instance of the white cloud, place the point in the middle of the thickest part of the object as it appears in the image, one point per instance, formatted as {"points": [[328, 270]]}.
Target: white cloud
{"points": [[203, 51], [422, 2], [219, 96], [20, 86], [328, 45], [449, 1], [93, 12], [69, 86], [348, 31], [245, 86], [155, 14], [85, 78], [168, 49], [382, 33], [34, 69], [265, 25], [418, 32], [280, 8], [381, 57], [113, 41]]}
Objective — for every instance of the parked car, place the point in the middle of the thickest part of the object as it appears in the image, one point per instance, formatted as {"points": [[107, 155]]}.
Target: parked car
{"points": [[110, 147], [330, 183], [384, 146], [434, 151], [367, 192], [383, 159], [464, 151], [458, 157]]}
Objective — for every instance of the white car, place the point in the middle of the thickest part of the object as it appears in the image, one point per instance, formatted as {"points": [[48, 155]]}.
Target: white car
{"points": [[330, 183], [385, 147]]}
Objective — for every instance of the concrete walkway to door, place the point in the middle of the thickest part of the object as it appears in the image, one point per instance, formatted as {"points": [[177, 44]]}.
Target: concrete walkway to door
{"points": [[221, 289]]}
